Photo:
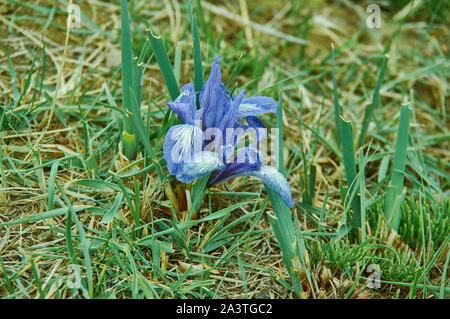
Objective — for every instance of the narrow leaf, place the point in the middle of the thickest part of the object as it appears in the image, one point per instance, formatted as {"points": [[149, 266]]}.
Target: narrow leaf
{"points": [[164, 64]]}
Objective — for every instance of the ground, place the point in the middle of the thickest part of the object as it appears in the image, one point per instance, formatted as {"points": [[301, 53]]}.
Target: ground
{"points": [[62, 167]]}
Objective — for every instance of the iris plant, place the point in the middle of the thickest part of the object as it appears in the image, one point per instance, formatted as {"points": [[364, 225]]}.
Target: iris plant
{"points": [[208, 141]]}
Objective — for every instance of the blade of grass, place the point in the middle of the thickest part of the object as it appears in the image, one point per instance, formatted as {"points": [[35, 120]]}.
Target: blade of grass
{"points": [[12, 75], [280, 159], [348, 152], [337, 109], [164, 64], [283, 229], [51, 185], [43, 216], [395, 189], [177, 63], [198, 71], [85, 244], [444, 277], [130, 145], [376, 97], [109, 216], [234, 72], [362, 193], [142, 132]]}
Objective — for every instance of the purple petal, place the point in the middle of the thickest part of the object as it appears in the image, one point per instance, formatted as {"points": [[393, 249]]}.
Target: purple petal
{"points": [[260, 129], [208, 93], [183, 110], [256, 105], [273, 179], [230, 116], [276, 181], [216, 110], [184, 105], [247, 159]]}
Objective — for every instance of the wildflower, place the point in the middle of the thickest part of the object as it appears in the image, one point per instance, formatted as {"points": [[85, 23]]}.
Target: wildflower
{"points": [[208, 141]]}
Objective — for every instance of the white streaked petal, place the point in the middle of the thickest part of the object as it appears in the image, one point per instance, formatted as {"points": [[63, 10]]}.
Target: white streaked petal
{"points": [[203, 163], [275, 180]]}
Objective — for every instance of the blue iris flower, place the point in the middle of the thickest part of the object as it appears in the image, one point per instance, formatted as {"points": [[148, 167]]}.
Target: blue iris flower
{"points": [[208, 141]]}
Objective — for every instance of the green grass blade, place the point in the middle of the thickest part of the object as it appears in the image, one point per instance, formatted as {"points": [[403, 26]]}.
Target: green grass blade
{"points": [[51, 185], [198, 71], [234, 72], [137, 77], [164, 64], [109, 216], [129, 141], [444, 277], [362, 193], [348, 152], [12, 73], [85, 243], [280, 160], [395, 189], [141, 131], [43, 216], [198, 192], [127, 55], [337, 109], [177, 63], [369, 111], [283, 229]]}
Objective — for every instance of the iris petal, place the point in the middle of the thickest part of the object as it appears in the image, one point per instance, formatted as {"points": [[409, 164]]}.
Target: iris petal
{"points": [[276, 181], [230, 116], [215, 110], [256, 105], [203, 163], [180, 144], [273, 179], [184, 104], [247, 159], [183, 110], [260, 129], [208, 94]]}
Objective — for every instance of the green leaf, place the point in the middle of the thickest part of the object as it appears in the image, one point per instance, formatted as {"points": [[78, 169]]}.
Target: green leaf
{"points": [[280, 160], [337, 109], [85, 243], [177, 62], [198, 71], [282, 224], [369, 111], [129, 141], [198, 192], [395, 189], [45, 215], [51, 185], [164, 64], [348, 152], [109, 216]]}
